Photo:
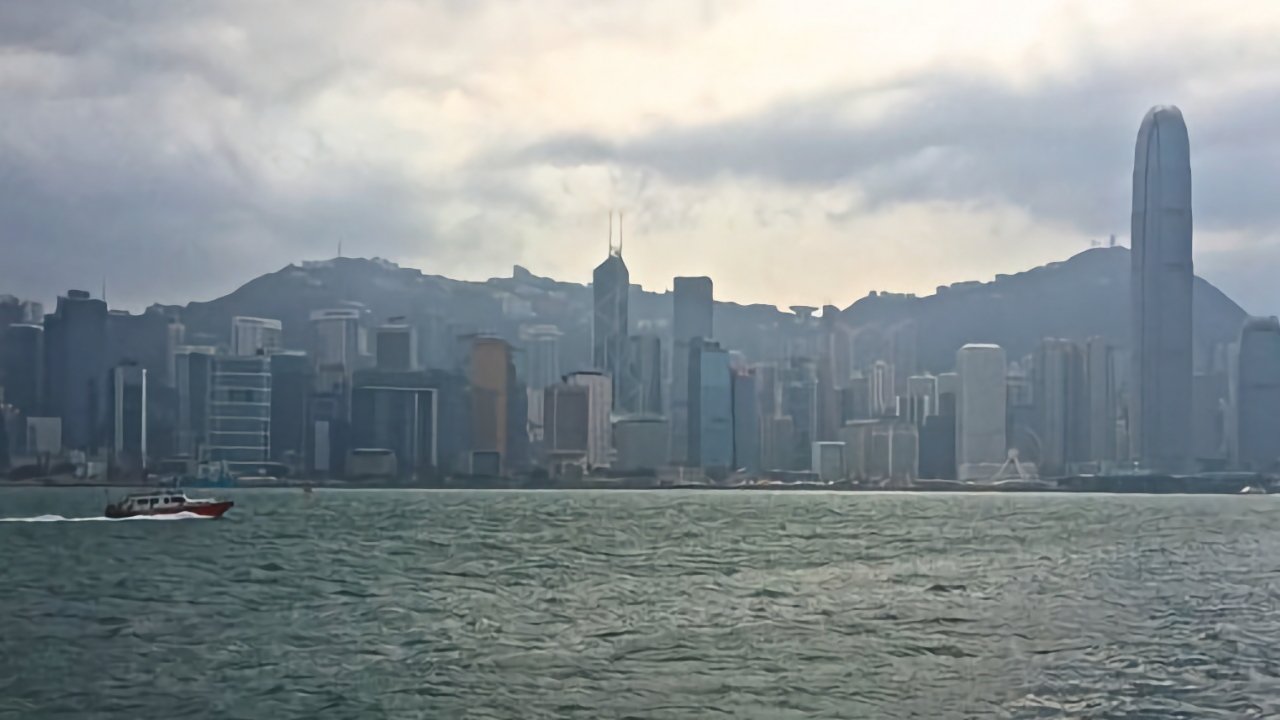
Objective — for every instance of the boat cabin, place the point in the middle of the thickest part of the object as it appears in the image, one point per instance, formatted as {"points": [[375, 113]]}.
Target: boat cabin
{"points": [[154, 501]]}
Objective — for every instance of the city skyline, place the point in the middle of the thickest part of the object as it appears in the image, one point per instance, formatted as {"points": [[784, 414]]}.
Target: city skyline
{"points": [[467, 140]]}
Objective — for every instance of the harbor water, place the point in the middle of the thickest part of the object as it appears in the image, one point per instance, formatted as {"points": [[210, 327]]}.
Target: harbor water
{"points": [[662, 604]]}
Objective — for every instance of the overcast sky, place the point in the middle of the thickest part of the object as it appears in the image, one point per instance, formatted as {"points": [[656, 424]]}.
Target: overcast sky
{"points": [[797, 152]]}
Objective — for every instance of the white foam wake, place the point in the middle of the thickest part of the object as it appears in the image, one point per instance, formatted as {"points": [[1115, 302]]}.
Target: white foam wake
{"points": [[99, 518]]}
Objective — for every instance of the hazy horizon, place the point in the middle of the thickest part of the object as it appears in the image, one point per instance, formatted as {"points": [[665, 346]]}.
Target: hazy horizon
{"points": [[795, 155]]}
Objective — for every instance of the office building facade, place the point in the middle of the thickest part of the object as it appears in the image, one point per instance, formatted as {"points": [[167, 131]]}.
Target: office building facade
{"points": [[239, 412]]}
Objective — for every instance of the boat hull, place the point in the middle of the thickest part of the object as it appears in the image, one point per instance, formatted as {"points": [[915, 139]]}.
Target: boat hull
{"points": [[212, 509]]}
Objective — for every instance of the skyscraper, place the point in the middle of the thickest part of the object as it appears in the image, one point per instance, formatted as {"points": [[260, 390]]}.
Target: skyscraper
{"points": [[490, 373], [193, 375], [746, 421], [75, 337], [922, 398], [1061, 400], [1258, 395], [567, 419], [884, 400], [609, 287], [255, 336], [129, 417], [800, 403], [692, 310], [541, 355], [1161, 279], [642, 376], [290, 395], [337, 345], [21, 368], [396, 411], [239, 418], [599, 410], [395, 347], [980, 412], [710, 406], [1100, 374]]}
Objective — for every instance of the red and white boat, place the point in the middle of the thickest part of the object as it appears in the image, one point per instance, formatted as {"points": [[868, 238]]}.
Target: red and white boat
{"points": [[166, 503]]}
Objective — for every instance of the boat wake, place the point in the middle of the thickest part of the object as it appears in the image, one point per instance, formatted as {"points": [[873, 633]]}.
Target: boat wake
{"points": [[99, 518]]}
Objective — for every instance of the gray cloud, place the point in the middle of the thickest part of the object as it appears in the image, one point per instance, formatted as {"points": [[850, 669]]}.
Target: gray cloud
{"points": [[177, 149], [164, 149], [1062, 149]]}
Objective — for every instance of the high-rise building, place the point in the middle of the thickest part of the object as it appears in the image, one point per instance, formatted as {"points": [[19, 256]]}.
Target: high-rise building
{"points": [[395, 347], [882, 450], [746, 421], [1061, 400], [641, 441], [777, 447], [599, 420], [829, 405], [692, 313], [902, 352], [1161, 279], [397, 411], [337, 347], [828, 461], [1211, 416], [1258, 411], [291, 385], [642, 385], [922, 398], [800, 403], [21, 366], [710, 406], [884, 399], [491, 374], [541, 355], [566, 413], [145, 339], [948, 393], [855, 399], [1100, 374], [610, 285], [193, 374], [239, 418], [255, 336], [75, 371], [980, 413], [129, 417]]}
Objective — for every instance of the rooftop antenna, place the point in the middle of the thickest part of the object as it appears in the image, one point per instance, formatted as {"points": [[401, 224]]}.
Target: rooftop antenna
{"points": [[619, 233], [104, 288], [609, 242]]}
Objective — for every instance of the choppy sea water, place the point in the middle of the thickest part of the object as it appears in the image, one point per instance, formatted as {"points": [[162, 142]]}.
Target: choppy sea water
{"points": [[346, 604]]}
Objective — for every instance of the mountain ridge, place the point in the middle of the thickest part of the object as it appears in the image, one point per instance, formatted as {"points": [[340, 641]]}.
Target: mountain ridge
{"points": [[1085, 295]]}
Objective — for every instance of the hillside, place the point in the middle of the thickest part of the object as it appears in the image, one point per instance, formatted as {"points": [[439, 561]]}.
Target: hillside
{"points": [[1083, 296]]}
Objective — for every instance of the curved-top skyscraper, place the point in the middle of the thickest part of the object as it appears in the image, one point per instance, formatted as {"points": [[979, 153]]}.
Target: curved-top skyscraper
{"points": [[1161, 275]]}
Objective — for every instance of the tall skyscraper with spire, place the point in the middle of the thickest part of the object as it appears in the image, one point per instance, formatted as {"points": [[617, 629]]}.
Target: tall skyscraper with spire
{"points": [[609, 327], [1161, 279]]}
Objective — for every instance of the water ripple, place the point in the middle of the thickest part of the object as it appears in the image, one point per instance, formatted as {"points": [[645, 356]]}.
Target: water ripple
{"points": [[642, 605]]}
